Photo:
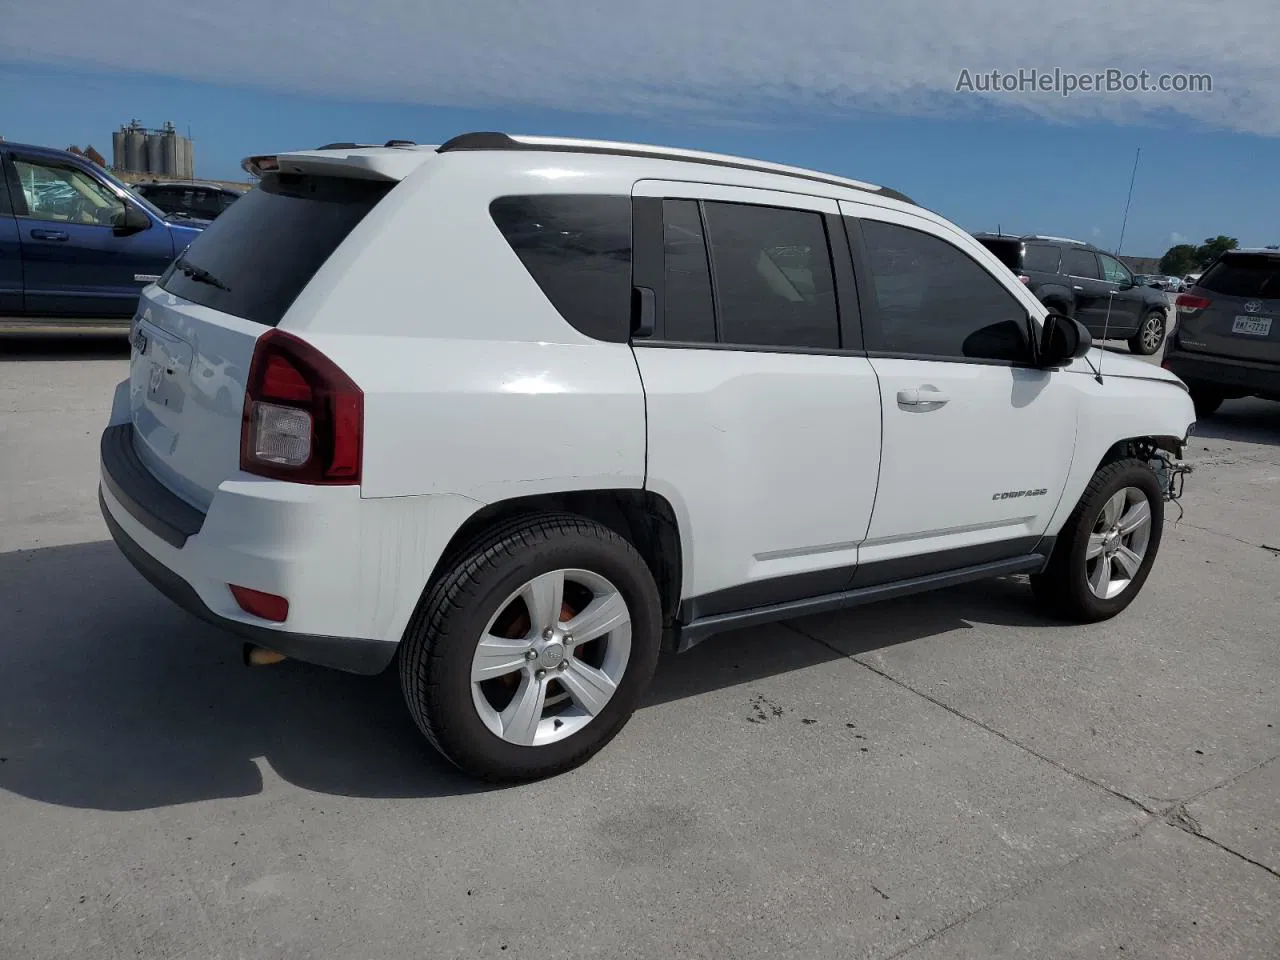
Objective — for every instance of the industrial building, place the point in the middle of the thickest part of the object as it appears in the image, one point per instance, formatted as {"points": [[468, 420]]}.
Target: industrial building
{"points": [[163, 152]]}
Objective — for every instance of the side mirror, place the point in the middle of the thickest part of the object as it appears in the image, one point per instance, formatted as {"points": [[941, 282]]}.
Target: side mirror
{"points": [[132, 220], [1063, 340]]}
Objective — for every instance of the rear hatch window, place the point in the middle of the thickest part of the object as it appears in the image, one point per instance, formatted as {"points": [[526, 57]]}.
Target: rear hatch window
{"points": [[254, 260], [1009, 251], [1244, 275]]}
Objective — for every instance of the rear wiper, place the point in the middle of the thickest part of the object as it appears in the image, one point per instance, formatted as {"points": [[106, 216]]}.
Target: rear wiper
{"points": [[201, 275]]}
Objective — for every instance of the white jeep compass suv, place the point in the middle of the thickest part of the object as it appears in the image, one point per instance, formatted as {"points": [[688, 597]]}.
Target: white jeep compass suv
{"points": [[524, 410]]}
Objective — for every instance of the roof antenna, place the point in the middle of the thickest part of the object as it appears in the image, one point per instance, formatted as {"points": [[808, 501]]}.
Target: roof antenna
{"points": [[1111, 298]]}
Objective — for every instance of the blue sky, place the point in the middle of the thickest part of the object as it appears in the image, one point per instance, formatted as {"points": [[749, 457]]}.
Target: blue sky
{"points": [[863, 89]]}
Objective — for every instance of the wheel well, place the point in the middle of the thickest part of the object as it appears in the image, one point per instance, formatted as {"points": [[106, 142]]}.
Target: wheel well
{"points": [[1142, 448], [643, 518]]}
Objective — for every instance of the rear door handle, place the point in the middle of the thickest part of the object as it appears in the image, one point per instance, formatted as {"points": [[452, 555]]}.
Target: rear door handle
{"points": [[1077, 288], [49, 235], [922, 396]]}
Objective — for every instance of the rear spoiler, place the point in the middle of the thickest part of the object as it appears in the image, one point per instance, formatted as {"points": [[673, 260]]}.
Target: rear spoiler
{"points": [[357, 162]]}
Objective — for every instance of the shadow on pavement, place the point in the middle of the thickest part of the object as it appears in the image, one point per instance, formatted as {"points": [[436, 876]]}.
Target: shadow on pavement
{"points": [[1245, 421], [111, 698], [73, 346]]}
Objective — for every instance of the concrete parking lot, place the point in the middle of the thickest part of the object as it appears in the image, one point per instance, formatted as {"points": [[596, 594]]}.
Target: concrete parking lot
{"points": [[946, 776]]}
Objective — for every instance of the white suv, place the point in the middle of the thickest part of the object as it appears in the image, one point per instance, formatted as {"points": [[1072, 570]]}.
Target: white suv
{"points": [[522, 410]]}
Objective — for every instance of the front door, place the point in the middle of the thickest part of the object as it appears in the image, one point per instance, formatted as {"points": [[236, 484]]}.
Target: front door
{"points": [[1127, 301], [977, 440], [763, 417], [78, 261]]}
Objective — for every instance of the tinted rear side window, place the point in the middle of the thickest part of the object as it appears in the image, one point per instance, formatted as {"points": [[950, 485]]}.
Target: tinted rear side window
{"points": [[258, 256], [1080, 263], [772, 276], [690, 310], [1040, 258], [1244, 275], [578, 250]]}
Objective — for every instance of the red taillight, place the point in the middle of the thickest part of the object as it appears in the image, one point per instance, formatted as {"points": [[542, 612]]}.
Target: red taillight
{"points": [[268, 606], [303, 417], [1187, 303]]}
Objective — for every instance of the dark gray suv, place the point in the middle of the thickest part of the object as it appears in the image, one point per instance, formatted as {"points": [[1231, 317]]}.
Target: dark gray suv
{"points": [[1227, 344], [1078, 279]]}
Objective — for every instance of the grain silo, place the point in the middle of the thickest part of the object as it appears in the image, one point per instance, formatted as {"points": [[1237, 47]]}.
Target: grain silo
{"points": [[184, 156], [117, 149], [135, 148], [155, 153], [170, 151]]}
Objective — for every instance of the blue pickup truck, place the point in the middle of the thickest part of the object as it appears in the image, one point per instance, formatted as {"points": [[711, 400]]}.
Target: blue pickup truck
{"points": [[76, 244]]}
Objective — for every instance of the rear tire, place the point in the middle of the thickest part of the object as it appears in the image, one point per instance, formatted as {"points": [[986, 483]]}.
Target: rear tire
{"points": [[1150, 335], [1106, 549], [1206, 399], [532, 717]]}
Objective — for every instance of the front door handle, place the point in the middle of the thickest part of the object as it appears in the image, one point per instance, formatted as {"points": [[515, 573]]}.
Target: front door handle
{"points": [[50, 235], [1077, 288], [922, 396]]}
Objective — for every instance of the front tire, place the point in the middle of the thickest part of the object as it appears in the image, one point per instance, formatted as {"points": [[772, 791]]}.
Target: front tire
{"points": [[1150, 335], [1106, 549], [532, 652]]}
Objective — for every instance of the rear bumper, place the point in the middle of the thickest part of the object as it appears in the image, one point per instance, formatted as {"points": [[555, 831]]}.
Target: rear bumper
{"points": [[255, 537], [1233, 376]]}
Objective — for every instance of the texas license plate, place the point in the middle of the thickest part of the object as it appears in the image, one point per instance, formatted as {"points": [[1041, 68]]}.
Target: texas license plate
{"points": [[1252, 326]]}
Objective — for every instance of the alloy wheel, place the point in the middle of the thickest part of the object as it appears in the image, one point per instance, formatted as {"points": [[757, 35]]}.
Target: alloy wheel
{"points": [[1118, 543], [551, 658]]}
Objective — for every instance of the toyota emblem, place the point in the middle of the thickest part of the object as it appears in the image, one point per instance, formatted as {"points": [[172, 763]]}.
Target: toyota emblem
{"points": [[1253, 306]]}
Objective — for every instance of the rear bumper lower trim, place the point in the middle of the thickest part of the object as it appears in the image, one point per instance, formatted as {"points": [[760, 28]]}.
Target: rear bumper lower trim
{"points": [[1244, 375], [350, 654], [148, 501]]}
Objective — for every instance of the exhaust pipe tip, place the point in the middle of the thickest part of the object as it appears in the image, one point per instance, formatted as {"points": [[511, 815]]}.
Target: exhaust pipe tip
{"points": [[256, 656]]}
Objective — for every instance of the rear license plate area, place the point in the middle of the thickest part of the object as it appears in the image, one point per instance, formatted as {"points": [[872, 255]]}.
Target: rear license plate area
{"points": [[1252, 326]]}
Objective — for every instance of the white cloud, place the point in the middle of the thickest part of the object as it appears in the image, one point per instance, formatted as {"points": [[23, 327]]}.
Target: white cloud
{"points": [[727, 59], [1096, 231], [1176, 238]]}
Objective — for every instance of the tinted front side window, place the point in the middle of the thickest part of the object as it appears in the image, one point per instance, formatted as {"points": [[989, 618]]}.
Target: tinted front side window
{"points": [[1244, 275], [578, 250], [1040, 258], [1080, 263], [1113, 270], [690, 310], [255, 259], [933, 300], [773, 281]]}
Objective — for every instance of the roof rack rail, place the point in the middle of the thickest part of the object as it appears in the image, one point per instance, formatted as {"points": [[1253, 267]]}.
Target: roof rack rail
{"points": [[400, 143], [1040, 236], [344, 145], [491, 140]]}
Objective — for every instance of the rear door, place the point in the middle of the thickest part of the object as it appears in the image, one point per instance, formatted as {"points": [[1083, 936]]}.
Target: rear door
{"points": [[1092, 295], [78, 259], [763, 413], [10, 254], [196, 329], [1241, 317]]}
